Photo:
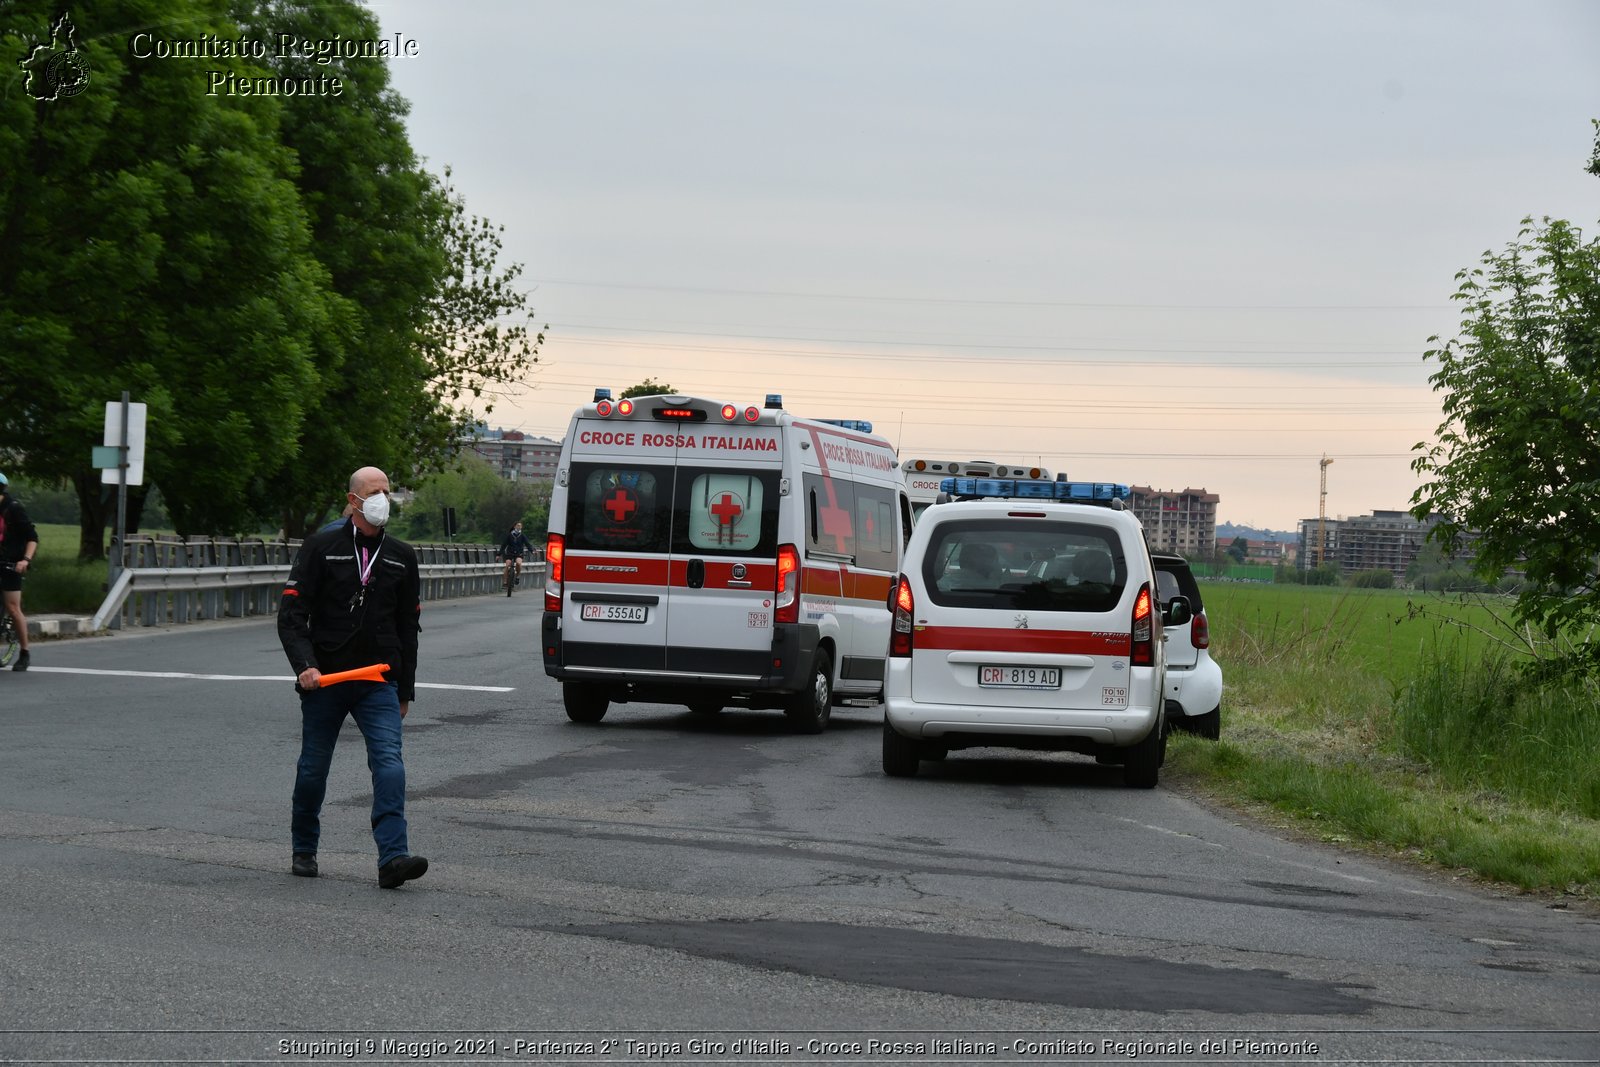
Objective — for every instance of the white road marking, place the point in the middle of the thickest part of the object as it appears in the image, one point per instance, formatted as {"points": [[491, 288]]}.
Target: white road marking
{"points": [[249, 678]]}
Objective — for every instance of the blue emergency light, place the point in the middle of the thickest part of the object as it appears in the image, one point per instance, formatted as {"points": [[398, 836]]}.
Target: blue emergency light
{"points": [[859, 425], [1035, 489]]}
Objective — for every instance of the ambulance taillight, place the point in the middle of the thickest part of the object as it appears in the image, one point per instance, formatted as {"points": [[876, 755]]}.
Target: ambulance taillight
{"points": [[624, 407], [786, 591], [555, 556], [729, 413]]}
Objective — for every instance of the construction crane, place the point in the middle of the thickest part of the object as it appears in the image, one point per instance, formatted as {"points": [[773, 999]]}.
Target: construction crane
{"points": [[1322, 510]]}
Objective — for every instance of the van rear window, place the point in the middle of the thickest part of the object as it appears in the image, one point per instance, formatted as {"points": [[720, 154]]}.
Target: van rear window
{"points": [[688, 511], [1034, 566]]}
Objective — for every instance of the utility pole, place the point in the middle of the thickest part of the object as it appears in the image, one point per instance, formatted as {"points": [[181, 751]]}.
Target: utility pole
{"points": [[1322, 511]]}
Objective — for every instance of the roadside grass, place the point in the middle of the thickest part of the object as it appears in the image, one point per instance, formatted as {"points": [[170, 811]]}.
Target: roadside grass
{"points": [[59, 584], [1367, 722]]}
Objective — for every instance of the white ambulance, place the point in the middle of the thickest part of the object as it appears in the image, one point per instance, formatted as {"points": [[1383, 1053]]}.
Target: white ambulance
{"points": [[713, 554], [924, 475]]}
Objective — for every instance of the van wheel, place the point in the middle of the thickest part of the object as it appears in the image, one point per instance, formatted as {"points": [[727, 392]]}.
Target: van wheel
{"points": [[1141, 767], [810, 709], [1209, 725], [584, 701], [706, 707], [901, 755]]}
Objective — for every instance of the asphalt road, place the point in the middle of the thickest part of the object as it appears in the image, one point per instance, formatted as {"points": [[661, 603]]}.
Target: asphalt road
{"points": [[618, 892]]}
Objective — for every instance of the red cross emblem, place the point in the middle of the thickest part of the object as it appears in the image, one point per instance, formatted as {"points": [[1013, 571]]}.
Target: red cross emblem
{"points": [[727, 511], [621, 506]]}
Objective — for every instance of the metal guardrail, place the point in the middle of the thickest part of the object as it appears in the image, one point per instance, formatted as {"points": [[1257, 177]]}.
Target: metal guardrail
{"points": [[166, 580]]}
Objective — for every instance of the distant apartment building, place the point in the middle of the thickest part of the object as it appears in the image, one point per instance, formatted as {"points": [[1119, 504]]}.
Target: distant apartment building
{"points": [[515, 456], [1179, 521], [1384, 540]]}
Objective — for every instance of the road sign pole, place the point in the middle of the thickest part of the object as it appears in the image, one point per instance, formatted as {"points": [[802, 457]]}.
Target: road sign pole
{"points": [[122, 494]]}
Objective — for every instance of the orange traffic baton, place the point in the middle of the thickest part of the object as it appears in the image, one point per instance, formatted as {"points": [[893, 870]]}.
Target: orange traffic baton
{"points": [[373, 673]]}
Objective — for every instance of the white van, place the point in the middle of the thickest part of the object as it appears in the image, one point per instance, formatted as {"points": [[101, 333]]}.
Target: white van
{"points": [[709, 554], [924, 475], [1026, 618]]}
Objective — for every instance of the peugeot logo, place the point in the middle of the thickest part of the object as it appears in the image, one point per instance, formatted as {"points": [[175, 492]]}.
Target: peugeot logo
{"points": [[1022, 622]]}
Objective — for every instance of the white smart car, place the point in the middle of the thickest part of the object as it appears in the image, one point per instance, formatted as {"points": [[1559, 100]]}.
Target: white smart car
{"points": [[1194, 680], [1026, 616]]}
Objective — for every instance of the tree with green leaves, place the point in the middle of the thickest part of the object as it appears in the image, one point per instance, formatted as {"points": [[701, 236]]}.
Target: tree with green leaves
{"points": [[276, 276], [432, 325], [648, 387], [1517, 459], [486, 505], [154, 242]]}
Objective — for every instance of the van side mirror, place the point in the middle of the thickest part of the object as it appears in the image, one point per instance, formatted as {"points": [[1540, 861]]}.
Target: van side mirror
{"points": [[1176, 611]]}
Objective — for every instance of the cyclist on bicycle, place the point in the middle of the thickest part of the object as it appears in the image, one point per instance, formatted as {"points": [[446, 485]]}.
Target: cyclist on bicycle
{"points": [[515, 547], [19, 540]]}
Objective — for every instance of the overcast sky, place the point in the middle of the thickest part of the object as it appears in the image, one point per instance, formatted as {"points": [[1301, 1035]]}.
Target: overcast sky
{"points": [[1172, 244]]}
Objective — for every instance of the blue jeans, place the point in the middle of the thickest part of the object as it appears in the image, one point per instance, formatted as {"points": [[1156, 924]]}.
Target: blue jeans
{"points": [[376, 708]]}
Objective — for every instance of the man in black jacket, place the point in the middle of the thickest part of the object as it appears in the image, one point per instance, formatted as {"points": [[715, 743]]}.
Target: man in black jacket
{"points": [[19, 540], [353, 600]]}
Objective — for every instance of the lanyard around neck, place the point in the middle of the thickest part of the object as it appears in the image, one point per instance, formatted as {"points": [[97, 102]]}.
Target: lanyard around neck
{"points": [[364, 569]]}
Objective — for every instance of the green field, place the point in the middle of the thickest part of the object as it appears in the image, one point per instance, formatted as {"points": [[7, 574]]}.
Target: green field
{"points": [[58, 583], [1382, 632], [1400, 721]]}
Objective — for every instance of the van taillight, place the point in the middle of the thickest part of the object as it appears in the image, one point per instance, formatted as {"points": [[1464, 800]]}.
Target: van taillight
{"points": [[1200, 631], [904, 606], [1144, 645], [786, 592], [555, 554]]}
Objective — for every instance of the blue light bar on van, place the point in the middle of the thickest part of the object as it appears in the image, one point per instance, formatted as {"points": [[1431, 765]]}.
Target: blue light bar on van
{"points": [[1034, 489], [859, 425], [601, 393]]}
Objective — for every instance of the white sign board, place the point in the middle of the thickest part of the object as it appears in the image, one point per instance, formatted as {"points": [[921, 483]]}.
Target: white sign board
{"points": [[136, 418]]}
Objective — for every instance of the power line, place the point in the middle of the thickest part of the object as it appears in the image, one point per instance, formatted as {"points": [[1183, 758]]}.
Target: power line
{"points": [[974, 302], [982, 346]]}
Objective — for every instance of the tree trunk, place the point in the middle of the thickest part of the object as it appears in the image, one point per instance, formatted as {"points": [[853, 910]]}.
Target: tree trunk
{"points": [[91, 516]]}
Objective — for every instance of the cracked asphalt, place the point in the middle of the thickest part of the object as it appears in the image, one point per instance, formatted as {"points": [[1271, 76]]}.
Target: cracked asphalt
{"points": [[662, 877]]}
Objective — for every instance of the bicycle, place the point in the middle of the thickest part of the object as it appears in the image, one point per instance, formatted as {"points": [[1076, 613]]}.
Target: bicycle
{"points": [[10, 644], [513, 576]]}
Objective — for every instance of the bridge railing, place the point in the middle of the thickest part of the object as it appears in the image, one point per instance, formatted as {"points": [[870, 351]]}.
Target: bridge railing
{"points": [[171, 580]]}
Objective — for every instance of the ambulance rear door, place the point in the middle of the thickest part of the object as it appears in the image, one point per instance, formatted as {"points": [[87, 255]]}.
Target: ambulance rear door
{"points": [[618, 551], [724, 553]]}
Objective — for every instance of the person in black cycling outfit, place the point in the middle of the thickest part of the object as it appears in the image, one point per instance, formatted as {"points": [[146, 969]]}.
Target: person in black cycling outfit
{"points": [[19, 540], [515, 546]]}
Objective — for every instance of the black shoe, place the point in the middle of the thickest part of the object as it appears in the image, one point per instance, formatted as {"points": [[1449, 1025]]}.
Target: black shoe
{"points": [[22, 661], [304, 864], [401, 869]]}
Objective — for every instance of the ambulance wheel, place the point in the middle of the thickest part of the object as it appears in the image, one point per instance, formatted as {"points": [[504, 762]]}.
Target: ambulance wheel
{"points": [[901, 755], [706, 707], [809, 709], [1142, 765], [584, 701]]}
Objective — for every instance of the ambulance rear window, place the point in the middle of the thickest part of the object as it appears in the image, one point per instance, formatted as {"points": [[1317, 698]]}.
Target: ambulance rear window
{"points": [[620, 508], [724, 511], [687, 511]]}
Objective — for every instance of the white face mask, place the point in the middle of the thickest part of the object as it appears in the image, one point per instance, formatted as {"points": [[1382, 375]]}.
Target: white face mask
{"points": [[375, 509]]}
